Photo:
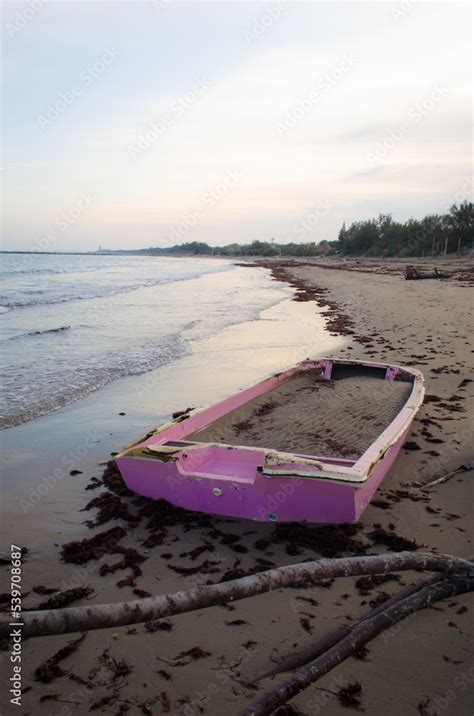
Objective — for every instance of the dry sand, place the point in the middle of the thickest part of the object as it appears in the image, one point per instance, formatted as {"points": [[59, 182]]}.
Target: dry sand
{"points": [[308, 415], [424, 666]]}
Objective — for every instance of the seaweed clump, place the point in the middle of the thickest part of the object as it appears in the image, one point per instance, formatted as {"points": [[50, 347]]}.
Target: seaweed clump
{"points": [[326, 540]]}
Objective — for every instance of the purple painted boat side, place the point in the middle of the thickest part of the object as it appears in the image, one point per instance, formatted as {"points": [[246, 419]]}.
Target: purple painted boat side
{"points": [[264, 499], [262, 484], [365, 493]]}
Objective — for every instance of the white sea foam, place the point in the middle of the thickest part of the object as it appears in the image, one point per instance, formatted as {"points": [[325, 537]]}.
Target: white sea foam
{"points": [[86, 321]]}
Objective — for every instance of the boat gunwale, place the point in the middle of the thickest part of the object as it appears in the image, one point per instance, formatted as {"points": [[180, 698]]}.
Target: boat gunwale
{"points": [[356, 474]]}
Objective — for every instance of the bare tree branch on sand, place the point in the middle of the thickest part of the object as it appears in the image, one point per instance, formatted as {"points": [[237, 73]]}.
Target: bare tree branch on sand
{"points": [[453, 576]]}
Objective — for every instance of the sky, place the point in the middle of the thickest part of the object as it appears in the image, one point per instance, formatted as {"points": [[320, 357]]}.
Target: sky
{"points": [[136, 124]]}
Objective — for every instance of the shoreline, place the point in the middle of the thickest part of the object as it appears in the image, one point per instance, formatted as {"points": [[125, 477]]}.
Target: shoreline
{"points": [[373, 315], [208, 286], [36, 468]]}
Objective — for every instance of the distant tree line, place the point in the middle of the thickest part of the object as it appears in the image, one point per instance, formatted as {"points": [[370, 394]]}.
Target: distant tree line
{"points": [[256, 248], [432, 235]]}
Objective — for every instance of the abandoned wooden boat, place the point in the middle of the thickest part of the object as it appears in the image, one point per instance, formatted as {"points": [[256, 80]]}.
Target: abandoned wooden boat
{"points": [[312, 443]]}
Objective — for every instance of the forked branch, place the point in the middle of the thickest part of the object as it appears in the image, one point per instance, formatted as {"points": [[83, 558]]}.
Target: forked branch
{"points": [[363, 632], [102, 616]]}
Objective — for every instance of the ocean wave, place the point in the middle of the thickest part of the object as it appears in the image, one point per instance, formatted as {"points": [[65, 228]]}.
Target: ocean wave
{"points": [[44, 332], [12, 273], [70, 382], [107, 293], [52, 300]]}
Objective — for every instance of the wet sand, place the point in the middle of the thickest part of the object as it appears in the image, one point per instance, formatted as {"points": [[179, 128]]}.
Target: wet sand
{"points": [[423, 666]]}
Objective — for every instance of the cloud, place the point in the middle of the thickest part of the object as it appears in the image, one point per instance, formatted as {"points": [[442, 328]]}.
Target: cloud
{"points": [[344, 96]]}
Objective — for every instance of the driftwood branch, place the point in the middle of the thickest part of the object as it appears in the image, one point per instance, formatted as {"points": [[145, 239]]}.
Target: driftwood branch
{"points": [[102, 616], [366, 630], [459, 470], [312, 651]]}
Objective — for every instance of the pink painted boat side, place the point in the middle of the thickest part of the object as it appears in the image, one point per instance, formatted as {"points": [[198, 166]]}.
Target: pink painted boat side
{"points": [[263, 484]]}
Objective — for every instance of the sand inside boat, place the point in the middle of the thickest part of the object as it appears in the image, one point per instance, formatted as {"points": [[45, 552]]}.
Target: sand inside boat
{"points": [[307, 415]]}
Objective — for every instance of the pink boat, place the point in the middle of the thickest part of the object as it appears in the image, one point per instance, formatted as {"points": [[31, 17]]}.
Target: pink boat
{"points": [[310, 444]]}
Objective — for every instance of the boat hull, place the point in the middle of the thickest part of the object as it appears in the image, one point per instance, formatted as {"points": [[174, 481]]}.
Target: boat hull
{"points": [[239, 481], [279, 498]]}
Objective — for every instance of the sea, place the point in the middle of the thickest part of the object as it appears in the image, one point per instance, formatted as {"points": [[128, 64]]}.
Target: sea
{"points": [[72, 324]]}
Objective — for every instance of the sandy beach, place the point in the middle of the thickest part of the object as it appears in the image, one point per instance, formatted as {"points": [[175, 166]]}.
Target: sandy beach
{"points": [[237, 273], [204, 662]]}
